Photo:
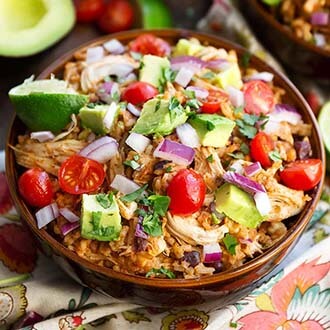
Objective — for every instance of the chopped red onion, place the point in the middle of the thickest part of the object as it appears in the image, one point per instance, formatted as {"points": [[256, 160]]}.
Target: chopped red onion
{"points": [[110, 115], [133, 109], [212, 252], [252, 169], [68, 214], [303, 149], [243, 182], [114, 46], [245, 240], [109, 92], [272, 127], [176, 152], [184, 76], [220, 64], [320, 39], [320, 18], [237, 166], [262, 203], [191, 63], [69, 227], [188, 135], [285, 112], [46, 215], [236, 96], [200, 93], [94, 54], [119, 69], [42, 136], [139, 231], [129, 78], [101, 150], [124, 185], [264, 76], [137, 142]]}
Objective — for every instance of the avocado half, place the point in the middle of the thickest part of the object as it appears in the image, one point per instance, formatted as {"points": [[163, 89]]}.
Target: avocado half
{"points": [[30, 26]]}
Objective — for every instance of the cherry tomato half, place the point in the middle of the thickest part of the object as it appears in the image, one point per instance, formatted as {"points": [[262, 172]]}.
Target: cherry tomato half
{"points": [[212, 104], [117, 16], [260, 147], [302, 174], [89, 10], [78, 175], [147, 43], [259, 97], [187, 192], [35, 187], [139, 92]]}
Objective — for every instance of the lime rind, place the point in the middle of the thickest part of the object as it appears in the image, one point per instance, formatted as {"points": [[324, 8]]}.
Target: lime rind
{"points": [[324, 124]]}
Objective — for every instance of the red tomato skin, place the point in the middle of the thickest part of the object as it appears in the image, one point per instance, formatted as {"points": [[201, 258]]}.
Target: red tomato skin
{"points": [[139, 92], [259, 97], [89, 10], [212, 104], [187, 192], [302, 174], [148, 43], [260, 146], [35, 187], [78, 175], [118, 16]]}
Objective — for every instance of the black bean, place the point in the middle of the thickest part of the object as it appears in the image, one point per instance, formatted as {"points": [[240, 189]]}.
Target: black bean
{"points": [[193, 258]]}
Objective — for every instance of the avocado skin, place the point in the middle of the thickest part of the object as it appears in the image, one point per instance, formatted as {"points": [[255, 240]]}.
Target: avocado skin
{"points": [[216, 137], [110, 217], [156, 118], [237, 205]]}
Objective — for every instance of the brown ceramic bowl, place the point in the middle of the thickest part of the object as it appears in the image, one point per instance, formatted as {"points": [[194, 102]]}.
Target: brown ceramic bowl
{"points": [[295, 53], [166, 292]]}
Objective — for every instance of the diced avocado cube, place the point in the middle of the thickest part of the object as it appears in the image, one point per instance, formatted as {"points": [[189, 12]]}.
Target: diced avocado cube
{"points": [[99, 118], [100, 217], [237, 205], [213, 130], [229, 77], [156, 117], [187, 47], [152, 69]]}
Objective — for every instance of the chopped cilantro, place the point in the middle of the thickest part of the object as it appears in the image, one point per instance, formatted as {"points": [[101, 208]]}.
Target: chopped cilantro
{"points": [[169, 74], [132, 163], [160, 271], [208, 75], [175, 108], [116, 96], [250, 119], [160, 203], [105, 200], [96, 219], [194, 103], [274, 156], [247, 130], [152, 225], [230, 243], [168, 169], [134, 195], [238, 155], [189, 94], [191, 114], [238, 110], [136, 157], [233, 324], [122, 105], [210, 126], [210, 158], [91, 105], [245, 59], [215, 219], [245, 148]]}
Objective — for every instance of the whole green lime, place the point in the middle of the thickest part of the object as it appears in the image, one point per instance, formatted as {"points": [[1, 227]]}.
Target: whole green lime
{"points": [[46, 105]]}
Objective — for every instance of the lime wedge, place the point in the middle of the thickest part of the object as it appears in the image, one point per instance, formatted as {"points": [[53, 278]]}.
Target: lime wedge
{"points": [[324, 123], [46, 105]]}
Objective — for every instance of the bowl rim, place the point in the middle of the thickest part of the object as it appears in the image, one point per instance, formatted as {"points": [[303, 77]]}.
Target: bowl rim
{"points": [[203, 281], [278, 26]]}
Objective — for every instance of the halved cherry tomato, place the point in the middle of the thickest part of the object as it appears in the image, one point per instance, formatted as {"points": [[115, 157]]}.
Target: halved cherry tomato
{"points": [[259, 97], [302, 174], [35, 187], [147, 43], [187, 192], [139, 92], [89, 10], [78, 175], [212, 104], [260, 147], [118, 16]]}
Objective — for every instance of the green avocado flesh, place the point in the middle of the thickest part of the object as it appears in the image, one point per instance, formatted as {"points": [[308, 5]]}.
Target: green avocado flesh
{"points": [[30, 26]]}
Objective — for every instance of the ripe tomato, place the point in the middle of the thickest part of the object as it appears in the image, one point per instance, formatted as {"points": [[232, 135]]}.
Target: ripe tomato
{"points": [[259, 97], [89, 10], [117, 16], [212, 104], [78, 175], [260, 146], [302, 174], [139, 92], [35, 187], [147, 43], [187, 192]]}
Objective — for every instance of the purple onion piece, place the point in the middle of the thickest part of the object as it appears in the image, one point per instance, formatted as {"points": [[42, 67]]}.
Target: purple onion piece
{"points": [[320, 18], [139, 231], [140, 244], [303, 149], [68, 227]]}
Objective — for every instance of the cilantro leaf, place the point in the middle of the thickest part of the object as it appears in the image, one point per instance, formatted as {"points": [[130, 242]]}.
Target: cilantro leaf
{"points": [[245, 59], [238, 110], [168, 169], [190, 94], [274, 156], [132, 163], [237, 155], [248, 131], [105, 200], [175, 108], [230, 243], [250, 119], [152, 225], [160, 204], [233, 324], [194, 103], [210, 158], [245, 148], [96, 219], [208, 75], [160, 271], [134, 195]]}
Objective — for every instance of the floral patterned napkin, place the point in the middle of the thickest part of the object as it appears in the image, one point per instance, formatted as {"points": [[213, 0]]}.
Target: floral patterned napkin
{"points": [[36, 294]]}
